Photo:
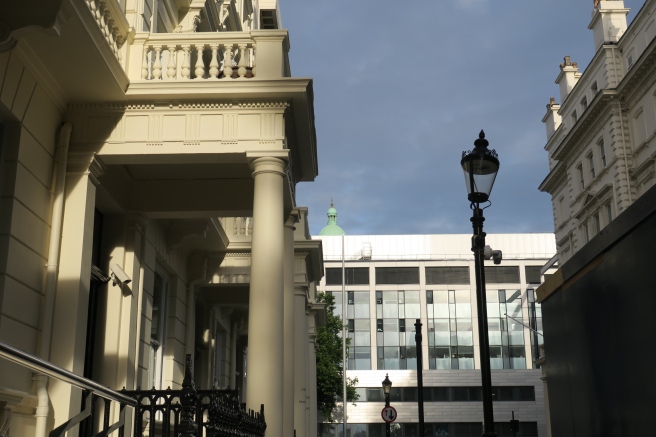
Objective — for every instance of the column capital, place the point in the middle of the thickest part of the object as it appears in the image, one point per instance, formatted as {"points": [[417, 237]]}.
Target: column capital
{"points": [[86, 162], [292, 219], [137, 220], [268, 162]]}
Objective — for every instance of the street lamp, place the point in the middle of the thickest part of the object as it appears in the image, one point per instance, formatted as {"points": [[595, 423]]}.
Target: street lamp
{"points": [[387, 388], [480, 166]]}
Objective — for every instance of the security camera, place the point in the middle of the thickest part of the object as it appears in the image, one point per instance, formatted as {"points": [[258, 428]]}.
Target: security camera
{"points": [[119, 277], [495, 255]]}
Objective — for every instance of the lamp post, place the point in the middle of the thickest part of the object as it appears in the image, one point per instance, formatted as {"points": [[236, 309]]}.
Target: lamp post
{"points": [[480, 166], [387, 387]]}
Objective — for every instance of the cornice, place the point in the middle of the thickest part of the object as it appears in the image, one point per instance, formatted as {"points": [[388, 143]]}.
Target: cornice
{"points": [[140, 90], [599, 106], [554, 178], [163, 105]]}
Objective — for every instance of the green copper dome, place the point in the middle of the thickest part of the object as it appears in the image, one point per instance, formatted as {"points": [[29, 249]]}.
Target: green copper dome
{"points": [[331, 228]]}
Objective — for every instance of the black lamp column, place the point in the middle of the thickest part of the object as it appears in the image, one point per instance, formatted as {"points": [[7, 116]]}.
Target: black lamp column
{"points": [[387, 387], [481, 166]]}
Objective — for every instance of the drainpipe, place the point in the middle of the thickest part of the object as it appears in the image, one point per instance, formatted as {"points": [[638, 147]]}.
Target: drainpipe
{"points": [[619, 107], [52, 270], [626, 159], [190, 328]]}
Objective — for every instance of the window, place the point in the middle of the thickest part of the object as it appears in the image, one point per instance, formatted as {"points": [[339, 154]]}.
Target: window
{"points": [[639, 128], [575, 117], [591, 164], [447, 275], [586, 232], [579, 169], [506, 334], [502, 274], [535, 322], [354, 276], [609, 214], [158, 330], [594, 88], [450, 332], [629, 58], [584, 103], [602, 152], [533, 274], [397, 275], [596, 223], [358, 327], [395, 338]]}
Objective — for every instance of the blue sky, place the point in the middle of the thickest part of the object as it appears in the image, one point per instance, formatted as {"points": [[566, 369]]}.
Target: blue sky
{"points": [[402, 88]]}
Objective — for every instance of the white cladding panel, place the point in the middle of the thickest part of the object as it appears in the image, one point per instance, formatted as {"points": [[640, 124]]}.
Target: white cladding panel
{"points": [[452, 246]]}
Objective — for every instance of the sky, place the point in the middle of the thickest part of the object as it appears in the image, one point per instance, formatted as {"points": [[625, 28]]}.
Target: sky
{"points": [[401, 89]]}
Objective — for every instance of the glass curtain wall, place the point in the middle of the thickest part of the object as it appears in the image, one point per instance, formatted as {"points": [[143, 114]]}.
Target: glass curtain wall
{"points": [[357, 312], [396, 312], [506, 335], [535, 322], [450, 335]]}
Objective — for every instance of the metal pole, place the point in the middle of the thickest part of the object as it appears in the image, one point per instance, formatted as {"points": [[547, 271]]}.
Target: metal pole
{"points": [[420, 376], [387, 424], [478, 246], [344, 333]]}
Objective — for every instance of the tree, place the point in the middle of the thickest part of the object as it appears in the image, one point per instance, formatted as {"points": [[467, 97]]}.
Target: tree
{"points": [[330, 365]]}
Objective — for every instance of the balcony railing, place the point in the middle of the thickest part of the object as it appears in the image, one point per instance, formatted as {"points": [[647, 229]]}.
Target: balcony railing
{"points": [[211, 56], [92, 390]]}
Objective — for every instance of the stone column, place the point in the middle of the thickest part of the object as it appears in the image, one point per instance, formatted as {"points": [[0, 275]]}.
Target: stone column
{"points": [[69, 326], [300, 361], [266, 308], [288, 393]]}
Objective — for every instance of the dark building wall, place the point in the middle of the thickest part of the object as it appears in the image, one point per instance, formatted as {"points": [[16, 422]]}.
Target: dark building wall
{"points": [[600, 332]]}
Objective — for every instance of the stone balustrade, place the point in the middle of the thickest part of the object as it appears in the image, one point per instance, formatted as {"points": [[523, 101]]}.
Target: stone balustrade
{"points": [[211, 56], [111, 21]]}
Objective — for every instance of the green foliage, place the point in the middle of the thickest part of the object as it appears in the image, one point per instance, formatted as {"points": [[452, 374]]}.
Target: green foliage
{"points": [[330, 366]]}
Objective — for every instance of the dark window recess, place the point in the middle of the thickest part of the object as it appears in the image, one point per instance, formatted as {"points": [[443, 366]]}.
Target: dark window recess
{"points": [[354, 276], [447, 275], [351, 325], [533, 275], [379, 297], [401, 325], [502, 275], [351, 297], [397, 275], [379, 325], [268, 19], [429, 297]]}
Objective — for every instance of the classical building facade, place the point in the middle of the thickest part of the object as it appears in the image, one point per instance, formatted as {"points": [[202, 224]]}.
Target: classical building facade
{"points": [[158, 141], [601, 135], [392, 280]]}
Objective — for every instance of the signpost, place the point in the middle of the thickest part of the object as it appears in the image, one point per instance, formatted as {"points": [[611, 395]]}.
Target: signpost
{"points": [[389, 414]]}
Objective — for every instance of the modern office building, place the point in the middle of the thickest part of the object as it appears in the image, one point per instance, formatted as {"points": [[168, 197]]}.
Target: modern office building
{"points": [[392, 280], [158, 142], [600, 137]]}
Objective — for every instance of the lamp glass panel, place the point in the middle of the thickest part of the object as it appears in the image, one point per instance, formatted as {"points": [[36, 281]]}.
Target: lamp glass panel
{"points": [[480, 173]]}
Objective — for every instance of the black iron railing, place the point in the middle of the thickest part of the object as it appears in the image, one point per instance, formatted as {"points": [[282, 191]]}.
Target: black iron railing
{"points": [[193, 413]]}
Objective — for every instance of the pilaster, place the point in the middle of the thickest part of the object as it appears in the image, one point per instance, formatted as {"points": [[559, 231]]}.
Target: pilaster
{"points": [[72, 295], [289, 316]]}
